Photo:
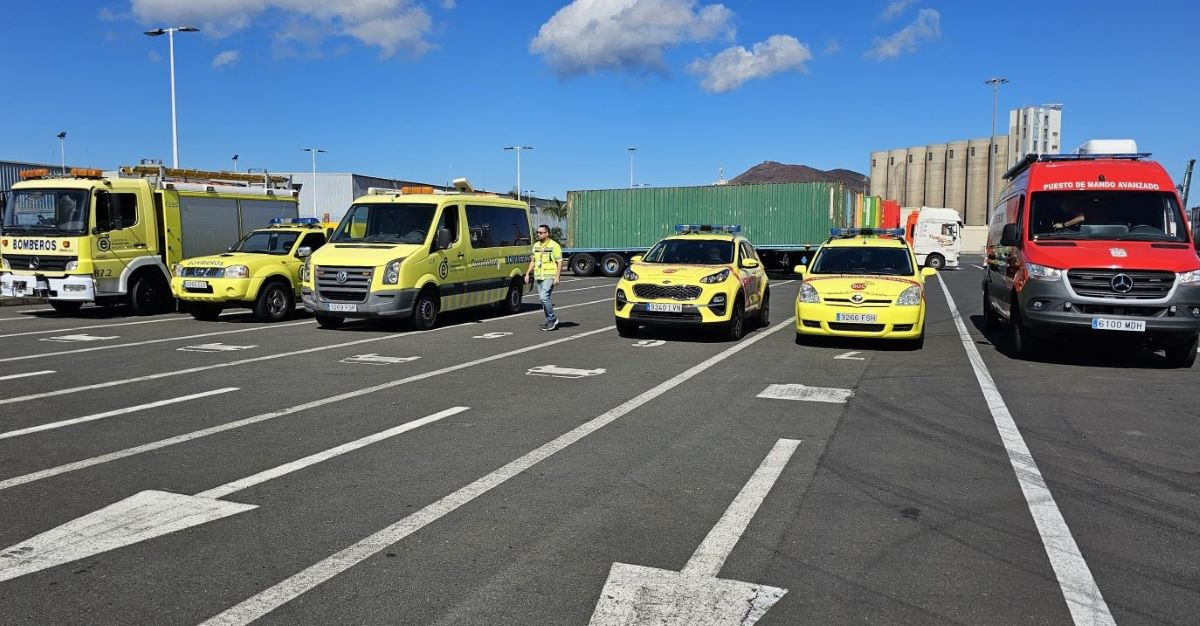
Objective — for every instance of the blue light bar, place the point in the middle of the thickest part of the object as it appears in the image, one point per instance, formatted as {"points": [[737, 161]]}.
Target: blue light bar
{"points": [[687, 229], [306, 221], [870, 232], [277, 221]]}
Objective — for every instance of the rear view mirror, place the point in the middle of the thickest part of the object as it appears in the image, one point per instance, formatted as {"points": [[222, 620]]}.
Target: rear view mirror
{"points": [[636, 258], [1011, 235], [799, 270], [443, 238], [928, 272], [304, 251]]}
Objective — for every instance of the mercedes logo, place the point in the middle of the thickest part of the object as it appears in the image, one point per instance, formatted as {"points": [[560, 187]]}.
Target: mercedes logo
{"points": [[342, 276], [856, 298], [1122, 283], [34, 263]]}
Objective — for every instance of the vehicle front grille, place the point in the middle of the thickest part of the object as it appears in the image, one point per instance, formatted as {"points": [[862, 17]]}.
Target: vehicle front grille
{"points": [[354, 288], [1147, 284], [670, 292], [871, 302], [858, 328], [1133, 311], [686, 316], [201, 272], [20, 262]]}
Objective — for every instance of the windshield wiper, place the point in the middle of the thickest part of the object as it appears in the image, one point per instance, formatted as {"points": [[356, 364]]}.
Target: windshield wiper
{"points": [[1039, 237]]}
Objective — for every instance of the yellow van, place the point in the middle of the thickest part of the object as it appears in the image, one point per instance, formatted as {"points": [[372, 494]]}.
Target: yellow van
{"points": [[413, 253]]}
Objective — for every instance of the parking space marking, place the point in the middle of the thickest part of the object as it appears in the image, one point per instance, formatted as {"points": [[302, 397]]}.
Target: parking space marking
{"points": [[978, 267], [635, 594], [492, 335], [1079, 588], [262, 417], [150, 514], [849, 356], [97, 416], [84, 337], [28, 374], [93, 327], [557, 291], [214, 347], [296, 585], [648, 343], [154, 341], [555, 371], [258, 359], [804, 393], [372, 358]]}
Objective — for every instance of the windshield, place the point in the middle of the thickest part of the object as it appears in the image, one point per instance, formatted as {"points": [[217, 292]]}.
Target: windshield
{"points": [[691, 251], [386, 223], [47, 212], [866, 260], [1108, 215], [267, 242]]}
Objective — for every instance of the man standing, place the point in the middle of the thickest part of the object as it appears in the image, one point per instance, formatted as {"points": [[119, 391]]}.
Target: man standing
{"points": [[545, 266]]}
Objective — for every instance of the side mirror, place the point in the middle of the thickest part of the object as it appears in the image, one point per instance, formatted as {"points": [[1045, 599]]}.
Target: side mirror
{"points": [[635, 258], [303, 252], [749, 264], [799, 270], [443, 238], [1011, 235], [928, 272]]}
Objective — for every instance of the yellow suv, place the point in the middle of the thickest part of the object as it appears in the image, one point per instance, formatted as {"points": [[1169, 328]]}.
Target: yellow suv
{"points": [[703, 276], [261, 272], [863, 282]]}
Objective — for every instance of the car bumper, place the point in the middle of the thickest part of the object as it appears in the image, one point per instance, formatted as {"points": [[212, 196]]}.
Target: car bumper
{"points": [[71, 288], [1044, 307], [217, 290], [392, 304], [907, 322], [694, 312]]}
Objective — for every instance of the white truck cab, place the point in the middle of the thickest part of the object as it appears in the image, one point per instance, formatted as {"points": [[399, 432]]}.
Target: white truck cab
{"points": [[935, 235]]}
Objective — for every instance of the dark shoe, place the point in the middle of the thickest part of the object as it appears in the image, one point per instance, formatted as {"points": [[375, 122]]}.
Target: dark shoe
{"points": [[552, 325], [545, 326]]}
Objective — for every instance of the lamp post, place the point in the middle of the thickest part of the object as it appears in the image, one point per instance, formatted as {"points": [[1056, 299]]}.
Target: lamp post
{"points": [[995, 82], [518, 150], [631, 150], [62, 150], [170, 33], [314, 152], [235, 158]]}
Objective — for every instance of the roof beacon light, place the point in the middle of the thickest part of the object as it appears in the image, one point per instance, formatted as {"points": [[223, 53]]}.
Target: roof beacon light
{"points": [[694, 229], [306, 221], [866, 232], [277, 221]]}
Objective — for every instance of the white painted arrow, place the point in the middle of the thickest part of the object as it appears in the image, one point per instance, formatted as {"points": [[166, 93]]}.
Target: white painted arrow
{"points": [[849, 356], [496, 335], [151, 514], [77, 338], [374, 359], [805, 393], [563, 372], [635, 594], [649, 343], [214, 347]]}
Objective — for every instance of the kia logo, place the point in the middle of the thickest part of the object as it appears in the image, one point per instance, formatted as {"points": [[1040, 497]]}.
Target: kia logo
{"points": [[1122, 283], [342, 277]]}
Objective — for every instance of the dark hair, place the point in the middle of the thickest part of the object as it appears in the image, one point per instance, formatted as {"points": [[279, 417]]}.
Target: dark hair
{"points": [[546, 228]]}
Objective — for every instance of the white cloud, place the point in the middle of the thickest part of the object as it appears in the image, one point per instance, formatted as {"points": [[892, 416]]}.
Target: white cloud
{"points": [[228, 57], [735, 65], [393, 26], [833, 47], [449, 4], [894, 9], [625, 35], [926, 26]]}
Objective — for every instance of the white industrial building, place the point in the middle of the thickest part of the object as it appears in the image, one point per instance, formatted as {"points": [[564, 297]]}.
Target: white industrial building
{"points": [[1034, 130]]}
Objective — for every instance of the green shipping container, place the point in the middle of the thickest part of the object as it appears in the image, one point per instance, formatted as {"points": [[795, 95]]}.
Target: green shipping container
{"points": [[790, 214]]}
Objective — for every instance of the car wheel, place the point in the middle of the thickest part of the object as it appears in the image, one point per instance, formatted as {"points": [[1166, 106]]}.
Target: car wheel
{"points": [[148, 295], [1183, 355], [204, 312], [991, 319], [919, 342], [425, 311], [935, 261], [626, 328], [330, 322], [735, 328], [275, 302], [612, 265], [1024, 345], [512, 300], [764, 311], [583, 264], [64, 306], [800, 339]]}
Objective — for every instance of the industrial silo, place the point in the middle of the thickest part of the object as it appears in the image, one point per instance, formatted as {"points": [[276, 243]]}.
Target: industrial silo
{"points": [[935, 175], [977, 177], [956, 176], [896, 175], [914, 190], [879, 172], [999, 167]]}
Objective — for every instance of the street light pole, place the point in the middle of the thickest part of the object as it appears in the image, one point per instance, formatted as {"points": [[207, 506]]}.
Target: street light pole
{"points": [[631, 151], [170, 32], [995, 83], [518, 150], [314, 152], [62, 150], [235, 158]]}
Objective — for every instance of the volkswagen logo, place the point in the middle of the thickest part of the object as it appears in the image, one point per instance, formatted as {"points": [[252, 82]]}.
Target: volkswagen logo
{"points": [[34, 263], [856, 298], [1122, 283], [342, 276]]}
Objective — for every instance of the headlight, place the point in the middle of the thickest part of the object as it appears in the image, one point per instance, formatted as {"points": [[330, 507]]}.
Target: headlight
{"points": [[71, 266], [629, 275], [1186, 278], [910, 296], [808, 294], [305, 269], [1041, 272], [391, 272], [716, 278], [237, 271]]}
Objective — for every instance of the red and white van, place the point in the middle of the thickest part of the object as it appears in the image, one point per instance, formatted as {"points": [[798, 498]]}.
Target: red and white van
{"points": [[1095, 243]]}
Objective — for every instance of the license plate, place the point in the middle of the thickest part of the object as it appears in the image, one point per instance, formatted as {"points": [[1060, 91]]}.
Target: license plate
{"points": [[341, 307], [1133, 326], [664, 308], [855, 318], [195, 284]]}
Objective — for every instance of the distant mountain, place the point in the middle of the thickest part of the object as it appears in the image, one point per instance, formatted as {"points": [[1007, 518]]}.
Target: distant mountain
{"points": [[772, 172]]}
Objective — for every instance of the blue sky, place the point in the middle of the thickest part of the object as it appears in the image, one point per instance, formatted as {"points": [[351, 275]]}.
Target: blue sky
{"points": [[423, 90]]}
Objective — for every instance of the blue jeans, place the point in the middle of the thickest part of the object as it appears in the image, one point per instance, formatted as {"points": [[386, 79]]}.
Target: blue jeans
{"points": [[545, 286]]}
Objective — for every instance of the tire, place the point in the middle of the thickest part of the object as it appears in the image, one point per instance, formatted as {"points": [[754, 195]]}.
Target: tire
{"points": [[764, 311], [800, 339], [204, 312], [275, 302], [735, 328], [612, 265], [626, 328], [66, 306], [918, 343], [936, 261], [991, 319], [425, 311], [148, 294], [583, 264], [512, 300], [1023, 343], [332, 323], [1183, 355]]}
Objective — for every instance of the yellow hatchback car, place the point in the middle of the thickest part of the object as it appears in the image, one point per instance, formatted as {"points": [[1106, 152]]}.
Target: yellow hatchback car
{"points": [[704, 276], [863, 283]]}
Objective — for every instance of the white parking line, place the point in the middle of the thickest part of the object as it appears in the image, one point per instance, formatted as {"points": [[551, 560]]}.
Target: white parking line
{"points": [[262, 417], [96, 416], [978, 267], [291, 588], [27, 374], [258, 359], [65, 330], [556, 291], [1083, 596]]}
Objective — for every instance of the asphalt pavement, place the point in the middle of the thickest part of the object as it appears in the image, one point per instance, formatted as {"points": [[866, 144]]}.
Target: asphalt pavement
{"points": [[165, 471]]}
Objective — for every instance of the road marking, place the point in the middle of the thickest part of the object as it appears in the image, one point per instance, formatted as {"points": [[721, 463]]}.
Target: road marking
{"points": [[491, 335], [268, 600], [257, 359], [849, 356], [150, 514], [27, 374], [649, 343], [96, 416], [635, 594], [74, 339], [29, 316], [555, 371], [67, 330], [611, 285], [262, 417], [980, 267], [805, 393], [374, 359], [154, 341], [1079, 589], [214, 347]]}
